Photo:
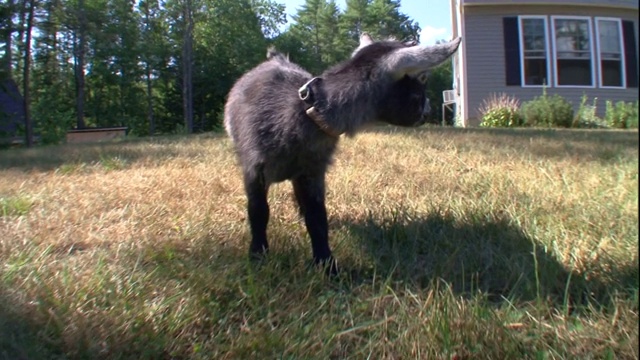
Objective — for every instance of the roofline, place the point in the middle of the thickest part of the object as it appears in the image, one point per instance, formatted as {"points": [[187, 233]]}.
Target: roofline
{"points": [[631, 5]]}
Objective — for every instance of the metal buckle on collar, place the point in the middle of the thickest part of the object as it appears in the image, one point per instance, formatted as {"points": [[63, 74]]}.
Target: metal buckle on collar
{"points": [[305, 92]]}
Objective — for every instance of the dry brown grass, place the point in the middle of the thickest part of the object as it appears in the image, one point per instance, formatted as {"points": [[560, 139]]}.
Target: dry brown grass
{"points": [[454, 244]]}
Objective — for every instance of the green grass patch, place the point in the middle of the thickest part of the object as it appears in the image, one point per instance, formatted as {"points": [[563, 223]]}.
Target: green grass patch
{"points": [[15, 205]]}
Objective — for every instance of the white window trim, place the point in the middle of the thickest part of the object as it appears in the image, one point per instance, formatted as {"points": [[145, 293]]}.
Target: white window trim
{"points": [[555, 53], [622, 64], [523, 83]]}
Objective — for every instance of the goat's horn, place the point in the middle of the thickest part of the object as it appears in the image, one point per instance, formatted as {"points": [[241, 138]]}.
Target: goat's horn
{"points": [[416, 59]]}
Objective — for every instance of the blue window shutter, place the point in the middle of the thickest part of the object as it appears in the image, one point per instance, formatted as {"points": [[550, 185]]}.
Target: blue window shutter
{"points": [[511, 50], [630, 56]]}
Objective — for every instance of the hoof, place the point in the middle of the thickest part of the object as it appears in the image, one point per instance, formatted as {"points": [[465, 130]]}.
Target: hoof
{"points": [[329, 266], [256, 256]]}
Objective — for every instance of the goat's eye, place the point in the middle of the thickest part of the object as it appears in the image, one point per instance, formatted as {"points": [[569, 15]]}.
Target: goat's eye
{"points": [[423, 78]]}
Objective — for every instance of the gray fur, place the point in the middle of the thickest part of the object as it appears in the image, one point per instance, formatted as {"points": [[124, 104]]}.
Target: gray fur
{"points": [[275, 140]]}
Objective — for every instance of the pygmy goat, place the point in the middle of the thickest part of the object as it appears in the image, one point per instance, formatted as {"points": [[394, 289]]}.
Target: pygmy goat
{"points": [[285, 123]]}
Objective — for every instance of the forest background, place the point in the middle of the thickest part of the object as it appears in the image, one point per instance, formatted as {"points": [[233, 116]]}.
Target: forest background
{"points": [[166, 66]]}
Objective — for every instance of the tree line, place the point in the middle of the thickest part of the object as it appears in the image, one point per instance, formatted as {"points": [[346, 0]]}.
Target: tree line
{"points": [[165, 66]]}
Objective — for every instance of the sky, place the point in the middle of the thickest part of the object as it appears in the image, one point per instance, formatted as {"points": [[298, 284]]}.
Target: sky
{"points": [[432, 15]]}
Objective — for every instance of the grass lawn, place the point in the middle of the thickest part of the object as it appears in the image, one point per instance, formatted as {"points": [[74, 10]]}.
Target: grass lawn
{"points": [[453, 244]]}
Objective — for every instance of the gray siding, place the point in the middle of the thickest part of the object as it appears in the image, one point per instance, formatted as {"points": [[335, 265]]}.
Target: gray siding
{"points": [[485, 62], [633, 4]]}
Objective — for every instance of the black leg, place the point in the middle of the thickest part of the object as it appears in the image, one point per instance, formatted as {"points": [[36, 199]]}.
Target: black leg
{"points": [[309, 192], [258, 210]]}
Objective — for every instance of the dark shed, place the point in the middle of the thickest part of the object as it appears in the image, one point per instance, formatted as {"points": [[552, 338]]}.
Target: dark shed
{"points": [[11, 108]]}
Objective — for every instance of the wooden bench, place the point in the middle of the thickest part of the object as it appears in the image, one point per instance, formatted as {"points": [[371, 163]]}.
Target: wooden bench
{"points": [[13, 141], [95, 134]]}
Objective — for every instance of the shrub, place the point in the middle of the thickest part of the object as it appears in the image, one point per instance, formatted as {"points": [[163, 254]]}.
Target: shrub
{"points": [[586, 116], [52, 125], [500, 110], [52, 116], [548, 111], [622, 115]]}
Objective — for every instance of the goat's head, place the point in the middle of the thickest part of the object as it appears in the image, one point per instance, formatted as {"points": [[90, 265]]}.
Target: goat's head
{"points": [[401, 68]]}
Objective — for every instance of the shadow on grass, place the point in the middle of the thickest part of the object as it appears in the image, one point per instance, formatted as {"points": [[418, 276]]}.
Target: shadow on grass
{"points": [[486, 253], [20, 337], [480, 252], [205, 289], [42, 330], [598, 145], [109, 154], [116, 318], [626, 138], [601, 145]]}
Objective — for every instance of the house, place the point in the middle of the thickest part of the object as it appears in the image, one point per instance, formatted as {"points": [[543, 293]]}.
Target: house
{"points": [[517, 47]]}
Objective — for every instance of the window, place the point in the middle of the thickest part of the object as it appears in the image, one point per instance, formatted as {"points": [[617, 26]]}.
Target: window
{"points": [[534, 63], [610, 55], [572, 51], [568, 51]]}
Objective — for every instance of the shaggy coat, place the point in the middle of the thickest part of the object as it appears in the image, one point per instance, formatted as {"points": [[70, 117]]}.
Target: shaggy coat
{"points": [[278, 136]]}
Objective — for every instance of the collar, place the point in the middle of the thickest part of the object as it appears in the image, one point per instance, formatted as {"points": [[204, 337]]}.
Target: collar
{"points": [[321, 122], [306, 94]]}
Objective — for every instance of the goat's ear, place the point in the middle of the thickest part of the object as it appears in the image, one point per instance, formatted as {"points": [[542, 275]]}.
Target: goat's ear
{"points": [[271, 52], [365, 40], [417, 59]]}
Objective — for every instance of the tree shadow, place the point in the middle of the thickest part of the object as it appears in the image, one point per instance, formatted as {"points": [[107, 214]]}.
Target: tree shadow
{"points": [[20, 333], [486, 253], [52, 157], [47, 328], [553, 143]]}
